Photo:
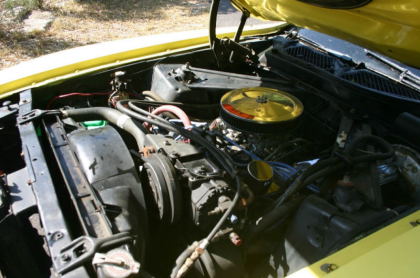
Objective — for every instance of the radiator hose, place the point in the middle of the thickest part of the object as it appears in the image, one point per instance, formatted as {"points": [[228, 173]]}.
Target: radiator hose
{"points": [[112, 115]]}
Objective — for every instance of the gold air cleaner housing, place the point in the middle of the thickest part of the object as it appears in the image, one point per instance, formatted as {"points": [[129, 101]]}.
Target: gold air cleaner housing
{"points": [[260, 109]]}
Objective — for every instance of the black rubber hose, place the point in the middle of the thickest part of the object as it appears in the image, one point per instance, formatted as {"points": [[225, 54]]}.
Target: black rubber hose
{"points": [[317, 171], [362, 140], [120, 106], [182, 257], [227, 212], [216, 153], [299, 181], [221, 157], [188, 252], [272, 217], [119, 119], [153, 95], [180, 104], [208, 145], [334, 164]]}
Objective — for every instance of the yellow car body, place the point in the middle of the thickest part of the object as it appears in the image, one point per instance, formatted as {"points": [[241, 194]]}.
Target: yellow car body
{"points": [[81, 60], [387, 26], [390, 252]]}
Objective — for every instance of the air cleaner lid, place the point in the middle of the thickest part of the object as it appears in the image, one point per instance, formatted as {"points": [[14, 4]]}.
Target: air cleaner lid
{"points": [[260, 109]]}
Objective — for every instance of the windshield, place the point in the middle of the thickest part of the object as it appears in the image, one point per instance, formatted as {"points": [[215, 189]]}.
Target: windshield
{"points": [[32, 28]]}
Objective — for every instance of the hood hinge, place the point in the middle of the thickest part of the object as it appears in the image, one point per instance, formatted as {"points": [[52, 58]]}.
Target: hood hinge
{"points": [[227, 51]]}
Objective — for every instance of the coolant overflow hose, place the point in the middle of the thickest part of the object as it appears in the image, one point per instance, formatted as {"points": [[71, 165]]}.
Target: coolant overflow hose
{"points": [[112, 115]]}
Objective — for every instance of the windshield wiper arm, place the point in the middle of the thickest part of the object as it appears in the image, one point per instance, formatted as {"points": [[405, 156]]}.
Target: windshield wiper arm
{"points": [[406, 77]]}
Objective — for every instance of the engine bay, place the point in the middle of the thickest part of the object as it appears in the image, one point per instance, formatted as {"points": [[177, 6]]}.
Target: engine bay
{"points": [[186, 167]]}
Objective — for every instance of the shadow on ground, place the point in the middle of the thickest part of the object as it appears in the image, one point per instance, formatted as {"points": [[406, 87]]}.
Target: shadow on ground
{"points": [[107, 10], [31, 45]]}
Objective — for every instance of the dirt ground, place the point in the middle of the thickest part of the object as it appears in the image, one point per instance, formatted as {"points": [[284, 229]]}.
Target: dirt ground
{"points": [[82, 22]]}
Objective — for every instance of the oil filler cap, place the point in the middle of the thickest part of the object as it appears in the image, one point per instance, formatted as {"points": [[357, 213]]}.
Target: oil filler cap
{"points": [[260, 109]]}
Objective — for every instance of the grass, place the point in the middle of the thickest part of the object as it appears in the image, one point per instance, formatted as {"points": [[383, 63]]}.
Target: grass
{"points": [[89, 21], [26, 4]]}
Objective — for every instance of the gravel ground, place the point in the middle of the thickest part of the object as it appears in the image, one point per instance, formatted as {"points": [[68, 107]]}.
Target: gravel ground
{"points": [[85, 22], [82, 22]]}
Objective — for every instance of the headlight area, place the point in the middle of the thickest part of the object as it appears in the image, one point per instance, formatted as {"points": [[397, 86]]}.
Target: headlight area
{"points": [[190, 166]]}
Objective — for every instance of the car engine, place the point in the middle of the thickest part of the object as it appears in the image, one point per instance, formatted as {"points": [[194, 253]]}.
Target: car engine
{"points": [[175, 170]]}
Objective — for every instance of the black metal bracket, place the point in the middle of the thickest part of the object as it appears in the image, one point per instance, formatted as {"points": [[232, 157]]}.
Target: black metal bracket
{"points": [[39, 178], [35, 114], [7, 110], [82, 250], [227, 51], [244, 18]]}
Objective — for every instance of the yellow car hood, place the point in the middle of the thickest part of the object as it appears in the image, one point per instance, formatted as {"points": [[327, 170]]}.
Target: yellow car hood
{"points": [[390, 27]]}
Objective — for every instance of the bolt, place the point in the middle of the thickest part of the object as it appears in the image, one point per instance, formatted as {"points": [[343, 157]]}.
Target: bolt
{"points": [[167, 143], [327, 268], [65, 258], [415, 223], [57, 236], [201, 170], [7, 104], [119, 73], [173, 154], [223, 199]]}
